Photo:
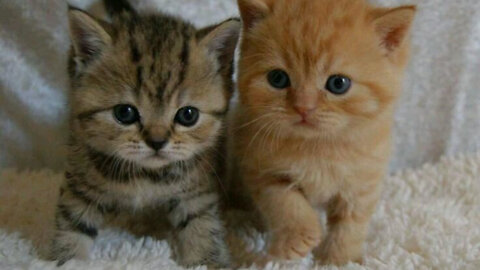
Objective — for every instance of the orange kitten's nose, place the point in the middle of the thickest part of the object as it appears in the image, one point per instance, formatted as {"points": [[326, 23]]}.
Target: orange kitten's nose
{"points": [[304, 101], [304, 111]]}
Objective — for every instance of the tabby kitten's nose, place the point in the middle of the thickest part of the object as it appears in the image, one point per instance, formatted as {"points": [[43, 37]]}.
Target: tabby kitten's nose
{"points": [[156, 144]]}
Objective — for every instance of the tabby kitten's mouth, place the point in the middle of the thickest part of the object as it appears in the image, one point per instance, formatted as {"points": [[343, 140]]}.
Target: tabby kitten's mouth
{"points": [[158, 159], [156, 156]]}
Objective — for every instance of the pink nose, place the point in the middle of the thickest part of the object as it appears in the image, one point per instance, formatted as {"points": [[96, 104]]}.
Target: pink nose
{"points": [[303, 111]]}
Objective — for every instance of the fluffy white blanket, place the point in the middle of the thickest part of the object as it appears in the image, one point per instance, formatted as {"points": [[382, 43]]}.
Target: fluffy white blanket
{"points": [[428, 219]]}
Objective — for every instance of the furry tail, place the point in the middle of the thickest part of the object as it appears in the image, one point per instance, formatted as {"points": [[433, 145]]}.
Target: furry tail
{"points": [[117, 7]]}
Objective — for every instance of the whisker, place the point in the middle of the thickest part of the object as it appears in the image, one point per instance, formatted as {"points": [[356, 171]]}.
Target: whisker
{"points": [[255, 136], [222, 187], [254, 121], [266, 134]]}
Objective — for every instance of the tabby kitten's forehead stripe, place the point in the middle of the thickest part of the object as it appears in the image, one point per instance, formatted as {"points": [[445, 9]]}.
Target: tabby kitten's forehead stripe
{"points": [[149, 97], [178, 41], [136, 56], [148, 41], [184, 58]]}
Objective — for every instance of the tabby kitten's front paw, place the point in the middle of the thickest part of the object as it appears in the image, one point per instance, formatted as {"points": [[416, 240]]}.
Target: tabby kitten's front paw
{"points": [[199, 234], [68, 245], [295, 243], [215, 259]]}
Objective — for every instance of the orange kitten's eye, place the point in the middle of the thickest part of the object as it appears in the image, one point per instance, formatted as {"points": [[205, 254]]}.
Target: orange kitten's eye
{"points": [[278, 79], [338, 84]]}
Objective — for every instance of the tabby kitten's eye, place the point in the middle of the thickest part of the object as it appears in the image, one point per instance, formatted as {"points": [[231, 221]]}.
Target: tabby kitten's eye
{"points": [[338, 84], [187, 116], [278, 79], [126, 114]]}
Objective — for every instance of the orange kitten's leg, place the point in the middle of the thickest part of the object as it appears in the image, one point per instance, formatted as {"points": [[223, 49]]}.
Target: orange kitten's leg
{"points": [[291, 220], [348, 224]]}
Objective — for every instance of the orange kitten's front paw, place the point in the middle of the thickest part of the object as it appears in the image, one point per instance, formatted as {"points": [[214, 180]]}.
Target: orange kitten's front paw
{"points": [[291, 244], [336, 255], [334, 259]]}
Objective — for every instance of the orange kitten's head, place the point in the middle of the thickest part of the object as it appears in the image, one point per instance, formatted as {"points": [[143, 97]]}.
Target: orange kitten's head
{"points": [[319, 67]]}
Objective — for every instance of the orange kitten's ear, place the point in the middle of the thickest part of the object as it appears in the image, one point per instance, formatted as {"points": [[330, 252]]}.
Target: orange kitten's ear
{"points": [[253, 10], [88, 36], [393, 26]]}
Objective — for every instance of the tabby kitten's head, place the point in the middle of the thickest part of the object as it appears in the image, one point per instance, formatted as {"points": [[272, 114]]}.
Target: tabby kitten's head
{"points": [[312, 68], [150, 89]]}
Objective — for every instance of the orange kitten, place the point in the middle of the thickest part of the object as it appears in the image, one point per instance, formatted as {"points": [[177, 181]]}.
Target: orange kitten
{"points": [[318, 80]]}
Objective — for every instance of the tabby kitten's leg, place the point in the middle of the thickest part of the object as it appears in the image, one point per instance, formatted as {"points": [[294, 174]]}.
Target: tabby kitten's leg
{"points": [[198, 231], [76, 223], [347, 230], [291, 219]]}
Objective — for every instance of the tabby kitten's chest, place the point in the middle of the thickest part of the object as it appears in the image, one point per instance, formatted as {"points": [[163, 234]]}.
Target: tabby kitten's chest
{"points": [[143, 192]]}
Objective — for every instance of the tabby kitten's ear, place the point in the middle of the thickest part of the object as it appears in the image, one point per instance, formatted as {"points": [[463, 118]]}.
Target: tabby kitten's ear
{"points": [[88, 36], [393, 26], [221, 40], [253, 11], [116, 9]]}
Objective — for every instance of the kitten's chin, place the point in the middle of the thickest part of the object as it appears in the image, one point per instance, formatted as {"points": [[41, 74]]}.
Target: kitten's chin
{"points": [[305, 131], [310, 130], [149, 161], [153, 162]]}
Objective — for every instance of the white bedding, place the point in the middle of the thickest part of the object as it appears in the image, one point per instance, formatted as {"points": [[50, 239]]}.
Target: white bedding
{"points": [[427, 219], [439, 112]]}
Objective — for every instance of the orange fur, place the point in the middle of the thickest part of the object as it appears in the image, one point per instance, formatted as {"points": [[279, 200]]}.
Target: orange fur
{"points": [[338, 159]]}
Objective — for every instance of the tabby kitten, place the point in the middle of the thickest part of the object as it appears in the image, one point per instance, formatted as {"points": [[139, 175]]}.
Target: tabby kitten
{"points": [[148, 100], [318, 80]]}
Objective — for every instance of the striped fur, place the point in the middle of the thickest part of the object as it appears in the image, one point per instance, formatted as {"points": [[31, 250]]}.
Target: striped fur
{"points": [[158, 64]]}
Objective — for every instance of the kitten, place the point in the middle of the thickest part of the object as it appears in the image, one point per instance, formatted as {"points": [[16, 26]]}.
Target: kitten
{"points": [[148, 100], [317, 82]]}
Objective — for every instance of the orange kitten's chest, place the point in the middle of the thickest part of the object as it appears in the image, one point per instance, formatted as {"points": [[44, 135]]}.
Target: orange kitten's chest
{"points": [[318, 179], [323, 174]]}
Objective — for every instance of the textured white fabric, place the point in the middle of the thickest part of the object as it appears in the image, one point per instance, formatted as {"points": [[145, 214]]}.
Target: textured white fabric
{"points": [[439, 112], [428, 219]]}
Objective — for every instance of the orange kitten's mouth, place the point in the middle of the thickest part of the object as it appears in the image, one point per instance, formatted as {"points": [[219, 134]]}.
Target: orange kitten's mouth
{"points": [[305, 123]]}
